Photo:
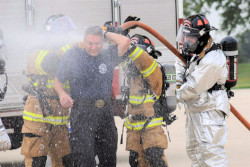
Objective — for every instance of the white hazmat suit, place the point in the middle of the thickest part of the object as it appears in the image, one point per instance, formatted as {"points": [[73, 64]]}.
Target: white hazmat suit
{"points": [[206, 128]]}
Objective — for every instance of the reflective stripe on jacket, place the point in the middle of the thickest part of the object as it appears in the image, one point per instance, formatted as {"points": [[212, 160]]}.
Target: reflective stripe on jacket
{"points": [[136, 53], [145, 72], [141, 99], [55, 120], [41, 71], [65, 48], [139, 125], [41, 56], [150, 73], [50, 84], [39, 60]]}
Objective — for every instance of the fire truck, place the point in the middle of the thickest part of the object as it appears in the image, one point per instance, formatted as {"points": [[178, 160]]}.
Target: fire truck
{"points": [[20, 19]]}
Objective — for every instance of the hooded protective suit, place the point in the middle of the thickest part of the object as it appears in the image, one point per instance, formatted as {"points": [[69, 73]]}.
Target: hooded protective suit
{"points": [[45, 131], [206, 108], [146, 140]]}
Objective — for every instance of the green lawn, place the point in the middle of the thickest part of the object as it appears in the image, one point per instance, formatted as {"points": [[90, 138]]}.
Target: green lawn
{"points": [[243, 76]]}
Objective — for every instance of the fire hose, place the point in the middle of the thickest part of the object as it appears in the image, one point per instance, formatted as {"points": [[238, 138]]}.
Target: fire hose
{"points": [[129, 24]]}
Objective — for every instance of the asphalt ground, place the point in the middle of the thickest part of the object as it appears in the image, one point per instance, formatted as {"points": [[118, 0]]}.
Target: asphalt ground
{"points": [[237, 146]]}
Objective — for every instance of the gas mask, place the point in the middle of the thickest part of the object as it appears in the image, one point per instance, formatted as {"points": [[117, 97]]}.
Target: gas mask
{"points": [[189, 37]]}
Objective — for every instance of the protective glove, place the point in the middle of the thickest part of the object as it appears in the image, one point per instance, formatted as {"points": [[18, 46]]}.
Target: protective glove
{"points": [[131, 18], [186, 56], [110, 28]]}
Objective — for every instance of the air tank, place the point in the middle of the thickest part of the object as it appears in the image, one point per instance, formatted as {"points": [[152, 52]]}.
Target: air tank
{"points": [[229, 46], [170, 93]]}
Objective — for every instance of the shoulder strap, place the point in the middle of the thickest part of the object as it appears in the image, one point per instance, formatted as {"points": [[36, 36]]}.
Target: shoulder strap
{"points": [[165, 84], [215, 46]]}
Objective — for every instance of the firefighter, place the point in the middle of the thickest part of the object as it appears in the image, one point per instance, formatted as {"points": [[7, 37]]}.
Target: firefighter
{"points": [[90, 73], [45, 120], [146, 140], [5, 143], [202, 92]]}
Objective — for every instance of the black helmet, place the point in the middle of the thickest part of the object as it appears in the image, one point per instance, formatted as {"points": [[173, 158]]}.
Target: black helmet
{"points": [[194, 33], [59, 23], [198, 21], [146, 44]]}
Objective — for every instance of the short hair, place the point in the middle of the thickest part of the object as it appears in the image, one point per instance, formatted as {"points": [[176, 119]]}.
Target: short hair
{"points": [[93, 30]]}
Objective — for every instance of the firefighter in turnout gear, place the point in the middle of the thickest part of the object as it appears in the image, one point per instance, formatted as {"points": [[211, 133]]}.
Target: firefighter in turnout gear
{"points": [[45, 120], [203, 93], [146, 140]]}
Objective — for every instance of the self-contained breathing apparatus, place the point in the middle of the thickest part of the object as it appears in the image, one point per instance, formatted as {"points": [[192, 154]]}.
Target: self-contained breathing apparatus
{"points": [[166, 104], [38, 92], [229, 47], [194, 35]]}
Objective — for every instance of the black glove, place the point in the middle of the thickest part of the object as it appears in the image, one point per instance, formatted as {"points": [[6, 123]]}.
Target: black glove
{"points": [[2, 66], [186, 56], [110, 28], [132, 18]]}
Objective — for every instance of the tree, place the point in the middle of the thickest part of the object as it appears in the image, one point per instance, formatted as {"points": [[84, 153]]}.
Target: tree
{"points": [[244, 49], [235, 13]]}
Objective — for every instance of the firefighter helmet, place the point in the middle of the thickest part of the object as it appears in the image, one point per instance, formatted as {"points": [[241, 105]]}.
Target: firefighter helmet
{"points": [[194, 33], [59, 24], [146, 44]]}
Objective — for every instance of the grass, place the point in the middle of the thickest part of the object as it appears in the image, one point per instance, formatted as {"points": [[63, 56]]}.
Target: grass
{"points": [[243, 76]]}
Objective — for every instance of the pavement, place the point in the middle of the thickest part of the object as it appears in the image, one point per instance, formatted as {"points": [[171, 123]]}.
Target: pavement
{"points": [[237, 146]]}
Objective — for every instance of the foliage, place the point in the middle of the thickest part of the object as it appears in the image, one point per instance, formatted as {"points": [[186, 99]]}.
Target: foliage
{"points": [[244, 49], [243, 76], [235, 13]]}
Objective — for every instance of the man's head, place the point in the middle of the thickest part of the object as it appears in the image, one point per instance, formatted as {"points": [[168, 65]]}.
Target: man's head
{"points": [[93, 42], [194, 33]]}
